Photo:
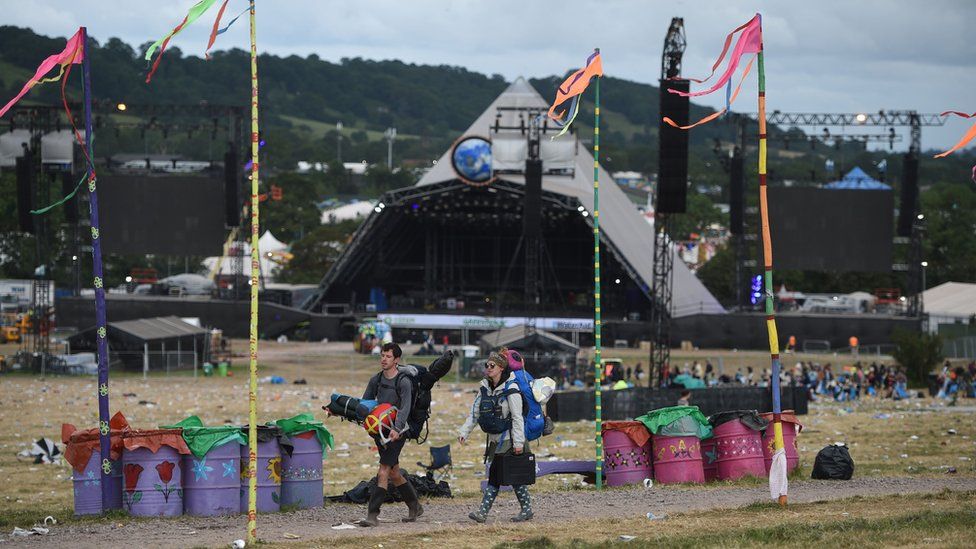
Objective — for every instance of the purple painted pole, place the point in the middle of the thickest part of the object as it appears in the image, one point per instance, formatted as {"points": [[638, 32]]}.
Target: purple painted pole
{"points": [[104, 438]]}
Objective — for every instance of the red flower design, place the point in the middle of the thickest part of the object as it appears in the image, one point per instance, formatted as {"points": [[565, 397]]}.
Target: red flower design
{"points": [[131, 473], [165, 470]]}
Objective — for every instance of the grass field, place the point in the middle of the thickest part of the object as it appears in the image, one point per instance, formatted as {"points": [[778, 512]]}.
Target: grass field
{"points": [[908, 438]]}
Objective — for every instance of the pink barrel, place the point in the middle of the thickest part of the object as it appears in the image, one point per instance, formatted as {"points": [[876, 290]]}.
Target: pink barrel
{"points": [[624, 462], [301, 472], [739, 451], [790, 430], [212, 483], [269, 477], [709, 459], [677, 459], [88, 486], [153, 482]]}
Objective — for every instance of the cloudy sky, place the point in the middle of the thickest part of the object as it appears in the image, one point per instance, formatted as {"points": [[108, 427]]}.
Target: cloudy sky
{"points": [[821, 55]]}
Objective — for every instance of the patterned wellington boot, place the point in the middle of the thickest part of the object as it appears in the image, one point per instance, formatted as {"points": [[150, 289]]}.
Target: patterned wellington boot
{"points": [[522, 493], [481, 515]]}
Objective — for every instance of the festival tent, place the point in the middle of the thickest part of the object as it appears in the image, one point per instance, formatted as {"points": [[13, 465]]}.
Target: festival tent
{"points": [[857, 179], [354, 210], [272, 252], [147, 342], [623, 228], [949, 303]]}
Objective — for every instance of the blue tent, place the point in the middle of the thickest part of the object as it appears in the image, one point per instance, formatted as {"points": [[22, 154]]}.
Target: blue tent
{"points": [[857, 179]]}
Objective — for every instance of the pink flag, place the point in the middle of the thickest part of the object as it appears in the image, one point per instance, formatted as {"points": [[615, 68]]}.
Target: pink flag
{"points": [[73, 52], [750, 41]]}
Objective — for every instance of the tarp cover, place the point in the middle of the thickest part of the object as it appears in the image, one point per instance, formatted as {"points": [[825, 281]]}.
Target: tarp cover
{"points": [[155, 439], [201, 439], [81, 444], [677, 421], [303, 423], [635, 430], [749, 418], [788, 416], [267, 433]]}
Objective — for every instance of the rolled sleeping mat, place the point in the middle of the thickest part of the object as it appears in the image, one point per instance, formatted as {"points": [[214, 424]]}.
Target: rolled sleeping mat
{"points": [[350, 408]]}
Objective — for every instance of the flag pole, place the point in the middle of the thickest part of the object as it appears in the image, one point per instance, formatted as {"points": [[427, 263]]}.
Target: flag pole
{"points": [[778, 446], [598, 363], [104, 432], [252, 488]]}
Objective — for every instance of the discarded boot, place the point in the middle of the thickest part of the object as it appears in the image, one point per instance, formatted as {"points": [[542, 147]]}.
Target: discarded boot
{"points": [[409, 495], [373, 508]]}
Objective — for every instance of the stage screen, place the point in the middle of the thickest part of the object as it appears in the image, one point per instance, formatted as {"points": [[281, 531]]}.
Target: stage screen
{"points": [[831, 229], [169, 215]]}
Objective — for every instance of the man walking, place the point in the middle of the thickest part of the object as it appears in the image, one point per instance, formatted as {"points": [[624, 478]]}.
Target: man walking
{"points": [[392, 386]]}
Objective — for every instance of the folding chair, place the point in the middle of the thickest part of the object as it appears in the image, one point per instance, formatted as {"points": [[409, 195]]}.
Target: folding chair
{"points": [[441, 463]]}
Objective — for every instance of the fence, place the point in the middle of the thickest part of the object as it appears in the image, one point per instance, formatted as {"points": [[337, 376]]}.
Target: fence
{"points": [[961, 347]]}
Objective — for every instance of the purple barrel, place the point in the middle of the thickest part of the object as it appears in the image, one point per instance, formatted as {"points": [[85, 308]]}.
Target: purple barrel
{"points": [[212, 484], [677, 459], [269, 476], [301, 472], [739, 450], [88, 486], [709, 459], [153, 482], [624, 462]]}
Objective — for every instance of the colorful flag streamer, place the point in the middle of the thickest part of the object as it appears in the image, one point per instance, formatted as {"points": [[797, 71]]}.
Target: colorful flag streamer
{"points": [[965, 138], [750, 41], [73, 53], [195, 12], [573, 87]]}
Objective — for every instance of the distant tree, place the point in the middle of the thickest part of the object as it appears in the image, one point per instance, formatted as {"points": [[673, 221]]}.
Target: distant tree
{"points": [[918, 352]]}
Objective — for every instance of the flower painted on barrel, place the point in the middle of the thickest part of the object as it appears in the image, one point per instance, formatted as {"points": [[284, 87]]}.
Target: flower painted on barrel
{"points": [[130, 475], [274, 470], [165, 471]]}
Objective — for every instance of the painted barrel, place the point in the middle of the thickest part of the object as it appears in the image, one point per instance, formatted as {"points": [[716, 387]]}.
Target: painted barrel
{"points": [[709, 459], [269, 477], [677, 459], [153, 482], [212, 486], [88, 486], [790, 431], [301, 472], [739, 451], [624, 462]]}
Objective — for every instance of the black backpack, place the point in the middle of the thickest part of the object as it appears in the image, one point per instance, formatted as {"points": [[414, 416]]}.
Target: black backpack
{"points": [[420, 389], [490, 411], [833, 463]]}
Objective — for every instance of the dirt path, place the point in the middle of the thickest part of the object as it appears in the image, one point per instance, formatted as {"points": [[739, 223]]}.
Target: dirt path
{"points": [[316, 524]]}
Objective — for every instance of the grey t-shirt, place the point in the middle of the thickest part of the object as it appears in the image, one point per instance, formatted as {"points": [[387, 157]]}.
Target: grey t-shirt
{"points": [[383, 390]]}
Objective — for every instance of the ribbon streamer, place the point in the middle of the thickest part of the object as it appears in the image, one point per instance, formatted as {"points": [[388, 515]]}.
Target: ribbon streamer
{"points": [[572, 87], [73, 53], [195, 12]]}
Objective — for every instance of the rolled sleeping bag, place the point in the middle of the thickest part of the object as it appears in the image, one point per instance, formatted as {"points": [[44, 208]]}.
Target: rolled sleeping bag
{"points": [[350, 408]]}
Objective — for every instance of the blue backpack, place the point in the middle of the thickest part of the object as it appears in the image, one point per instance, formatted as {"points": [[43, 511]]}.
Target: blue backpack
{"points": [[490, 415]]}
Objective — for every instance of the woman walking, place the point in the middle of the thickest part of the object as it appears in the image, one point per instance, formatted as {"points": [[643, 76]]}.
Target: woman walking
{"points": [[497, 409]]}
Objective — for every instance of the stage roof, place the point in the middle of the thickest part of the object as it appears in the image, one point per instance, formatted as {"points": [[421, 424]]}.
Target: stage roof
{"points": [[620, 221]]}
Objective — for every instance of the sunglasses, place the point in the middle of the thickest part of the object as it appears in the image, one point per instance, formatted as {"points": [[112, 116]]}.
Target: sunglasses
{"points": [[490, 365]]}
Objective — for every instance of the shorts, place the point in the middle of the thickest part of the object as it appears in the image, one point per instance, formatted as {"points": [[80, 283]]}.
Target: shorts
{"points": [[390, 454]]}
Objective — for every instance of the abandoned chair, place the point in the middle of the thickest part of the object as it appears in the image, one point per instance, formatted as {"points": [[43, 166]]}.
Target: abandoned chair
{"points": [[441, 464]]}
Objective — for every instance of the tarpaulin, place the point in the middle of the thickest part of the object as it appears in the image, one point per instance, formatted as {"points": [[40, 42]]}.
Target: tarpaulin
{"points": [[635, 430], [303, 423], [155, 439], [201, 439], [677, 421], [749, 418], [81, 444]]}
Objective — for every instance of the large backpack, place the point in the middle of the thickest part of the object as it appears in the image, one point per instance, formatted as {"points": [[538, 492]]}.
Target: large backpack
{"points": [[421, 383], [490, 417], [535, 420]]}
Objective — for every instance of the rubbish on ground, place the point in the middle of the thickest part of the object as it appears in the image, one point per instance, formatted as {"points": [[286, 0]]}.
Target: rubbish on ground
{"points": [[238, 544], [652, 516], [624, 537], [286, 535], [648, 483], [35, 531], [343, 526]]}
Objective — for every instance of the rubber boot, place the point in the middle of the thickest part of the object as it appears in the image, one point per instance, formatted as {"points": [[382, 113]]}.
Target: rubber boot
{"points": [[409, 495], [377, 498], [525, 502], [481, 515]]}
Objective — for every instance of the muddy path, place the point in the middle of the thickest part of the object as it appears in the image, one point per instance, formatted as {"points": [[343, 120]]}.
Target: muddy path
{"points": [[551, 507]]}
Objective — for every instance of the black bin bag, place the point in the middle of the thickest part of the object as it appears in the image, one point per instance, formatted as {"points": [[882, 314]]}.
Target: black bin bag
{"points": [[833, 463]]}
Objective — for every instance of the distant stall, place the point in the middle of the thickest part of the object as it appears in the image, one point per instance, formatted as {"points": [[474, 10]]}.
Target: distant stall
{"points": [[160, 343]]}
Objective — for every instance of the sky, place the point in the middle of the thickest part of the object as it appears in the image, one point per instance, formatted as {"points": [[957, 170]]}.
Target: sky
{"points": [[821, 56]]}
